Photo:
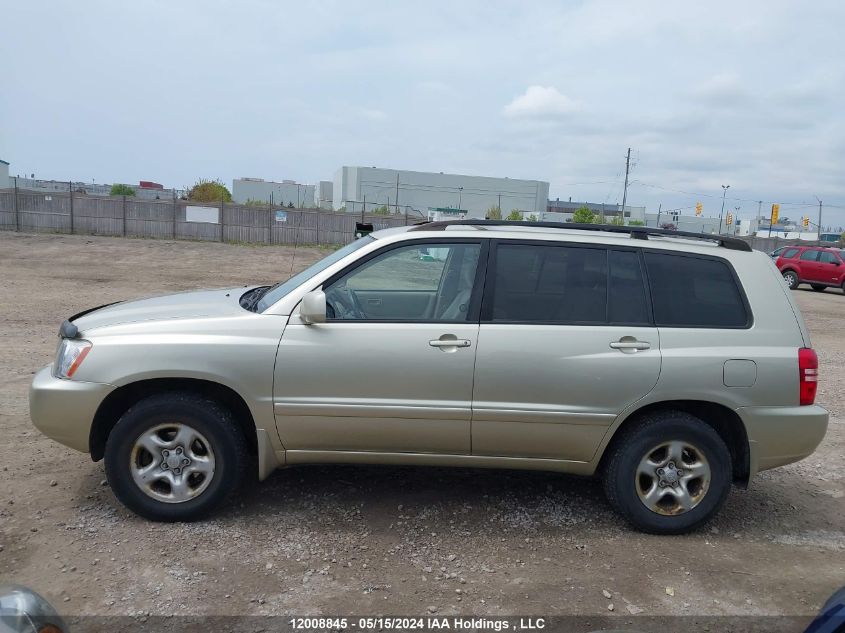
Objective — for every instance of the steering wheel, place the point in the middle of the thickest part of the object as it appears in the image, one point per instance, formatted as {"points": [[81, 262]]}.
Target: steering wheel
{"points": [[343, 303]]}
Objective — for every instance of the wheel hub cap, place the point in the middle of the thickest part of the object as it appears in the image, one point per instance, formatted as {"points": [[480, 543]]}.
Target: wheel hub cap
{"points": [[672, 478], [172, 463], [175, 460]]}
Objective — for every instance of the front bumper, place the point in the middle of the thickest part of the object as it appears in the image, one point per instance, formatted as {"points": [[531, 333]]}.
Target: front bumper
{"points": [[782, 435], [63, 410]]}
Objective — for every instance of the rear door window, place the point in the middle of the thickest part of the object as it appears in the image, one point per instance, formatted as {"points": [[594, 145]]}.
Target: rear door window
{"points": [[627, 295], [549, 284], [789, 253], [696, 292]]}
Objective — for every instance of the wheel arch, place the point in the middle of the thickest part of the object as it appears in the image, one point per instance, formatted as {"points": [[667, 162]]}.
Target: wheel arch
{"points": [[722, 419], [121, 399]]}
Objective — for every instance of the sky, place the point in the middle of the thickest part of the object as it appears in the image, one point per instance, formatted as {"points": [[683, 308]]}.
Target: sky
{"points": [[749, 94]]}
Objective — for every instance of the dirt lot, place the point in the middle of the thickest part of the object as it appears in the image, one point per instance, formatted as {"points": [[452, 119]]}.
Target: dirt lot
{"points": [[369, 540]]}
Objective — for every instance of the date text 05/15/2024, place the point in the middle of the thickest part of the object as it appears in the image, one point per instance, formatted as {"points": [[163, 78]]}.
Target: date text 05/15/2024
{"points": [[428, 623]]}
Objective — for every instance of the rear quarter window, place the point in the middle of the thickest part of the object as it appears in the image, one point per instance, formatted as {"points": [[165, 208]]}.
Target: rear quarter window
{"points": [[692, 291]]}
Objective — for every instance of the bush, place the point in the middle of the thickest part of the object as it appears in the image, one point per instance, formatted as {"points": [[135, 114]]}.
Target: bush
{"points": [[121, 190], [531, 218], [636, 223], [382, 210], [494, 213], [256, 203], [209, 191], [617, 220], [514, 216], [585, 216]]}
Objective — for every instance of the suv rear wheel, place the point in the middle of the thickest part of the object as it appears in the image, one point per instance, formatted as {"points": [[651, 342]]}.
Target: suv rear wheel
{"points": [[175, 457], [791, 279], [668, 474]]}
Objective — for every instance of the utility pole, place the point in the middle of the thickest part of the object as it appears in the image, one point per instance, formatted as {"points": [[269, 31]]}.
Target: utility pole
{"points": [[625, 188], [722, 212], [659, 209], [736, 220], [460, 195], [397, 192], [820, 218]]}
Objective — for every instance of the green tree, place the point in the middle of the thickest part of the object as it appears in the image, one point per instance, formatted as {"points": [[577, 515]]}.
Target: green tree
{"points": [[583, 215], [515, 216], [209, 191], [636, 223], [121, 190], [494, 213]]}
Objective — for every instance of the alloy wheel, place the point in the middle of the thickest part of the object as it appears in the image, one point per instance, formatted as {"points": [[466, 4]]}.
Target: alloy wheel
{"points": [[172, 463], [672, 478]]}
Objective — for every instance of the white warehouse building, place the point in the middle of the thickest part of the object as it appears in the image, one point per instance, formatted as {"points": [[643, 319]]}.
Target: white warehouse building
{"points": [[432, 195], [285, 193]]}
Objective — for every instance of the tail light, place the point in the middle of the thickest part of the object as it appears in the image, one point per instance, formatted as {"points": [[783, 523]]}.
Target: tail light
{"points": [[808, 373]]}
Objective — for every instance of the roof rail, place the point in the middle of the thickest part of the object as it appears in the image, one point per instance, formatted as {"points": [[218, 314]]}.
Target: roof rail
{"points": [[636, 232]]}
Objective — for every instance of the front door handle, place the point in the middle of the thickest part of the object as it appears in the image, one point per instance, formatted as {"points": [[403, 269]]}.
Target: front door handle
{"points": [[449, 342], [630, 345]]}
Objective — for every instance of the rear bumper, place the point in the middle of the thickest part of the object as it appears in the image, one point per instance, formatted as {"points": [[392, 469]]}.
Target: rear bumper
{"points": [[782, 435], [63, 410]]}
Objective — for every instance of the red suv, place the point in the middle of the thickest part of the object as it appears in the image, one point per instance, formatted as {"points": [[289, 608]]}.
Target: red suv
{"points": [[820, 267]]}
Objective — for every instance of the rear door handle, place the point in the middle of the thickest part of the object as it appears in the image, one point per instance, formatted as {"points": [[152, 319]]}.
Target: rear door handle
{"points": [[628, 344], [449, 342]]}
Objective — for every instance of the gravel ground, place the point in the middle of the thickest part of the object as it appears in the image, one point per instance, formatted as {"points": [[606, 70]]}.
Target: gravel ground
{"points": [[368, 540]]}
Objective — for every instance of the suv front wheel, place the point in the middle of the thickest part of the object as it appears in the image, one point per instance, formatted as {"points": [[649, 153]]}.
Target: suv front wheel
{"points": [[668, 474], [175, 457]]}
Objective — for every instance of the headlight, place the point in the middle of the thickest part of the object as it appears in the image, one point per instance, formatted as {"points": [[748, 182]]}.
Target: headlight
{"points": [[71, 354]]}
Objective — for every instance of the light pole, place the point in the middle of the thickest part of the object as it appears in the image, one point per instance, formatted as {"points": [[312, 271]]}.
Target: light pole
{"points": [[736, 220], [820, 219], [460, 196], [722, 212]]}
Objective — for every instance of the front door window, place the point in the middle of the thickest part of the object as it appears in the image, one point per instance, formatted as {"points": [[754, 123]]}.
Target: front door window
{"points": [[428, 282]]}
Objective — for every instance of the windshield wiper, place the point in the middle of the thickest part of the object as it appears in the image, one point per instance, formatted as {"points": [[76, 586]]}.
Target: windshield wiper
{"points": [[250, 300]]}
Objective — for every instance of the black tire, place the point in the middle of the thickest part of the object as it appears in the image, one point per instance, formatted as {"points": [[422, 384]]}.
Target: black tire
{"points": [[209, 418], [818, 288], [791, 279], [635, 442]]}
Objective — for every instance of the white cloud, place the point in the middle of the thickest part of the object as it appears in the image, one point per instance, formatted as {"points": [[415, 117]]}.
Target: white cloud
{"points": [[721, 89], [540, 101], [373, 114]]}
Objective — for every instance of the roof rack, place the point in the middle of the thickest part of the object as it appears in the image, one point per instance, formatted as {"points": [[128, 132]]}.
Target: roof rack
{"points": [[636, 232]]}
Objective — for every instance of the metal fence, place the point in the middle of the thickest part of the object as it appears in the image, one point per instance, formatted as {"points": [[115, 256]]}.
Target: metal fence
{"points": [[768, 244], [39, 212]]}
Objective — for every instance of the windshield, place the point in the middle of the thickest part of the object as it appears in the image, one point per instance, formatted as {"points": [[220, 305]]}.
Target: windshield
{"points": [[281, 289]]}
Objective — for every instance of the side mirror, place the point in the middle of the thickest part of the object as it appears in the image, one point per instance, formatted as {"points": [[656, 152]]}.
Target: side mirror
{"points": [[313, 307], [24, 611]]}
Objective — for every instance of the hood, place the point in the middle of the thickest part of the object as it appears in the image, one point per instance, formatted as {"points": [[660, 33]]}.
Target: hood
{"points": [[184, 305]]}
